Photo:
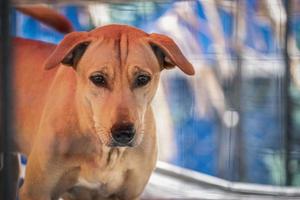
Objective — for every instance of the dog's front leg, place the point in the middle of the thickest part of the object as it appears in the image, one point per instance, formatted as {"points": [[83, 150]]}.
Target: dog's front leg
{"points": [[43, 173], [39, 180]]}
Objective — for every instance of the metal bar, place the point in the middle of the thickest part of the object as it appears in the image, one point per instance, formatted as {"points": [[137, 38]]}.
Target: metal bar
{"points": [[18, 2], [6, 190], [239, 91], [287, 102], [197, 185]]}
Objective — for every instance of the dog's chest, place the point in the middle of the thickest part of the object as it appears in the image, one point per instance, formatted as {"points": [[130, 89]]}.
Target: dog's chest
{"points": [[104, 174]]}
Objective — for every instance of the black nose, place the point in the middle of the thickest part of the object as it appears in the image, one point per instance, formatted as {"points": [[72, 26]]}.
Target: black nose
{"points": [[123, 134]]}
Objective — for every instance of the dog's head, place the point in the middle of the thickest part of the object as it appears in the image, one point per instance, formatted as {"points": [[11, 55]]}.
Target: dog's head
{"points": [[118, 69]]}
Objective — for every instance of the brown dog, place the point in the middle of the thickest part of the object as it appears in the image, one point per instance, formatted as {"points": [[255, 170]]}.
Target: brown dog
{"points": [[86, 121]]}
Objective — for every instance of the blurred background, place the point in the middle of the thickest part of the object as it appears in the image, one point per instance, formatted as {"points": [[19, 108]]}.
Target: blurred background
{"points": [[238, 118]]}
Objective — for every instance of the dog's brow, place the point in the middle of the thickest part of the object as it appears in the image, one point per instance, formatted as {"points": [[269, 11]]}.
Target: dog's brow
{"points": [[138, 70], [104, 70]]}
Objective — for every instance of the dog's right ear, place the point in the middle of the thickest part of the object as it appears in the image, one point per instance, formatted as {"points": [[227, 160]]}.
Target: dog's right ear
{"points": [[69, 50]]}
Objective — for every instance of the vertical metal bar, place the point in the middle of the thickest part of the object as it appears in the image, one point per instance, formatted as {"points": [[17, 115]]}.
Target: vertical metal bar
{"points": [[5, 117], [234, 169], [287, 102], [238, 86]]}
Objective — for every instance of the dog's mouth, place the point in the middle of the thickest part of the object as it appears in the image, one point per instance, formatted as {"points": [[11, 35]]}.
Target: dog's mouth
{"points": [[110, 142], [119, 137], [124, 140]]}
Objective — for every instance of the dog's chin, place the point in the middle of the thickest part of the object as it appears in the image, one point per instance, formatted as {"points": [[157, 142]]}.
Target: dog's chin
{"points": [[134, 143], [116, 145]]}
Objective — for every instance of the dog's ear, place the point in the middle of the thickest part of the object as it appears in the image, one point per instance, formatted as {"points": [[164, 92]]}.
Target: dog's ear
{"points": [[169, 54], [69, 50]]}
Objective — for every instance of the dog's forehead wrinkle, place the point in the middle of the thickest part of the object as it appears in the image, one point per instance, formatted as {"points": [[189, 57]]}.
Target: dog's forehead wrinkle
{"points": [[123, 49], [123, 43], [120, 36]]}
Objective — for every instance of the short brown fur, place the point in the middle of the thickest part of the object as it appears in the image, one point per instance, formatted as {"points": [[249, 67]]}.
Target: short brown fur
{"points": [[63, 120]]}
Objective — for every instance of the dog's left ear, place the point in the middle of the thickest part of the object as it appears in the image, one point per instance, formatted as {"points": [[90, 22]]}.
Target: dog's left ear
{"points": [[69, 50], [169, 54]]}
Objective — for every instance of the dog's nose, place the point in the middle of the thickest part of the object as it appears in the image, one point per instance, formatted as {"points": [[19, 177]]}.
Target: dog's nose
{"points": [[123, 134]]}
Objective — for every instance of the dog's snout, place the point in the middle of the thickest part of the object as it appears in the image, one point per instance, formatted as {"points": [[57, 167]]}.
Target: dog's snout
{"points": [[123, 134]]}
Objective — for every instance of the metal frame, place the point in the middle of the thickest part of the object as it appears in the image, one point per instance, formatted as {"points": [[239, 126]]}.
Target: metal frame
{"points": [[6, 190], [56, 2], [288, 102], [170, 182]]}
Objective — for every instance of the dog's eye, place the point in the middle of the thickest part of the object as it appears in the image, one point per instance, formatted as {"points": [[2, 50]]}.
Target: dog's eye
{"points": [[142, 80], [98, 80]]}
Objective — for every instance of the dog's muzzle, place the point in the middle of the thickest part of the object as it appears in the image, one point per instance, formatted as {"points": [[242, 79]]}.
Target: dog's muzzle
{"points": [[122, 134]]}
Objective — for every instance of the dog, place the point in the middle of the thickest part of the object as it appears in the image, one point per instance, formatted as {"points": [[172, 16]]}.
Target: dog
{"points": [[83, 112]]}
